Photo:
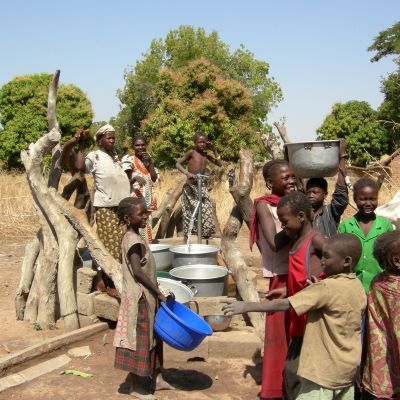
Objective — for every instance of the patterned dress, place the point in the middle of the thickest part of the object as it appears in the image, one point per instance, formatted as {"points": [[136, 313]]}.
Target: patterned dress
{"points": [[381, 376], [147, 191]]}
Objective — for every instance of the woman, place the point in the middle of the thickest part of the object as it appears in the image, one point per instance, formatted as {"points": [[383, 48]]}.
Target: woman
{"points": [[142, 175], [111, 186]]}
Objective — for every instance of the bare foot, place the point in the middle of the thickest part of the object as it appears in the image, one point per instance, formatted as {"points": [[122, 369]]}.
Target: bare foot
{"points": [[161, 384]]}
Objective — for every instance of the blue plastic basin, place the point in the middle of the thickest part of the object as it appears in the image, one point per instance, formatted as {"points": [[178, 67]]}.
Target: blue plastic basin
{"points": [[180, 327]]}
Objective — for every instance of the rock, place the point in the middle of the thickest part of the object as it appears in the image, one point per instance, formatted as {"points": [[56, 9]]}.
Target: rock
{"points": [[85, 278], [106, 307], [85, 303], [83, 351], [86, 320]]}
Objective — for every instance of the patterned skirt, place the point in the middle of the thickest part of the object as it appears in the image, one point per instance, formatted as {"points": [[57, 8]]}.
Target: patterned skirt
{"points": [[142, 361], [189, 201], [110, 230]]}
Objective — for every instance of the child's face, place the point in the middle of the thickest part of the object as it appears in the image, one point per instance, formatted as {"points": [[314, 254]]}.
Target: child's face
{"points": [[394, 266], [282, 181], [332, 261], [138, 217], [366, 199], [200, 143], [291, 223], [316, 195]]}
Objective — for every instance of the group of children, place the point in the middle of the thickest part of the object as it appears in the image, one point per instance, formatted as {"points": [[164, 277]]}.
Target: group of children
{"points": [[321, 271], [320, 278]]}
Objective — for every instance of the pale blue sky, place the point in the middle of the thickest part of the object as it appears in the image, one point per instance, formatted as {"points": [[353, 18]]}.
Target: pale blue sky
{"points": [[316, 49]]}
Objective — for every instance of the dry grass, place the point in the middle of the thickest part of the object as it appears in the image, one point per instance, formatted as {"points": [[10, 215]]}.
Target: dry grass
{"points": [[19, 218]]}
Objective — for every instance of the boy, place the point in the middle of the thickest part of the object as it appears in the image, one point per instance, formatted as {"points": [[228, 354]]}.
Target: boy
{"points": [[264, 224], [331, 349], [327, 217], [196, 160]]}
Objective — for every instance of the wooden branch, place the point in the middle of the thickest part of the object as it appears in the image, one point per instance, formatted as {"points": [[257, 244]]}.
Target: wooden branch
{"points": [[282, 132], [237, 266], [26, 279], [271, 145], [169, 207], [241, 192]]}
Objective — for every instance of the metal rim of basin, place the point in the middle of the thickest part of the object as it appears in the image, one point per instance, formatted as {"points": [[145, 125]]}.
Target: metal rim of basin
{"points": [[199, 272], [194, 248]]}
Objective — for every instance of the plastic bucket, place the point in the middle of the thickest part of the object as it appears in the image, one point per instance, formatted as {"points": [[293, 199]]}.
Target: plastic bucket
{"points": [[180, 327]]}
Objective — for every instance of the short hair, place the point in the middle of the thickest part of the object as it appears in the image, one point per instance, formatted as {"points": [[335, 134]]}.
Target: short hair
{"points": [[297, 202], [199, 134], [271, 166], [347, 244], [138, 137], [126, 206], [385, 247], [317, 182], [364, 182]]}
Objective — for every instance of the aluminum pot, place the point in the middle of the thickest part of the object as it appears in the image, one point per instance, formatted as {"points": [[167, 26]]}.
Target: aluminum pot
{"points": [[162, 256], [218, 322], [183, 294], [314, 159], [194, 254], [209, 280]]}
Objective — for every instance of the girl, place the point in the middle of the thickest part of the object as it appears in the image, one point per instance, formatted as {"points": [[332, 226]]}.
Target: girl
{"points": [[264, 224], [138, 351], [142, 175], [367, 226], [381, 373]]}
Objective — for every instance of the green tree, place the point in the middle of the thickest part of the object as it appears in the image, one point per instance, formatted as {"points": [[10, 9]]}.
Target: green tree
{"points": [[23, 114], [140, 95], [358, 123], [194, 98], [387, 43]]}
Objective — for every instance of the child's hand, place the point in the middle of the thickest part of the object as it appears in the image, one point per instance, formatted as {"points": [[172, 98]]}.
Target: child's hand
{"points": [[279, 293], [342, 148], [81, 135], [191, 177], [233, 307], [313, 279], [209, 145]]}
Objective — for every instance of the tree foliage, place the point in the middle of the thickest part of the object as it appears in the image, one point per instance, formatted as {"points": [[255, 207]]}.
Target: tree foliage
{"points": [[23, 114], [141, 94], [387, 43], [358, 123], [194, 98]]}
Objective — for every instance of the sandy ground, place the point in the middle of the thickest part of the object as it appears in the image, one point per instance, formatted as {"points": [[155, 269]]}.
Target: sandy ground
{"points": [[217, 379]]}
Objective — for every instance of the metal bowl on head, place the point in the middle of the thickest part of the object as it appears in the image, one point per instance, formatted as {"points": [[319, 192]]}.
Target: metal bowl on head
{"points": [[218, 322]]}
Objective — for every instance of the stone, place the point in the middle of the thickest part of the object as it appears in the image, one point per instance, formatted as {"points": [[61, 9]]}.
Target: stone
{"points": [[77, 352], [86, 320], [85, 278], [106, 307], [85, 302]]}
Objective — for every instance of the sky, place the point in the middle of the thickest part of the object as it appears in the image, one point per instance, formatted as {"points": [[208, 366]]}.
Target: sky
{"points": [[316, 49]]}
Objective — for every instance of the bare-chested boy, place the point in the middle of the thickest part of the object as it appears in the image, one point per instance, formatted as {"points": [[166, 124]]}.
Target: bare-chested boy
{"points": [[196, 160]]}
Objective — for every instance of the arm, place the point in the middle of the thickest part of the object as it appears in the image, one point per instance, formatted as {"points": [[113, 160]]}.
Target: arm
{"points": [[65, 157], [136, 270], [240, 307], [342, 162], [267, 224], [214, 158], [150, 167], [183, 159], [318, 241]]}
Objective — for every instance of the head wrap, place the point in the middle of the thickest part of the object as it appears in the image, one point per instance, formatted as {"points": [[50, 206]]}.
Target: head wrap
{"points": [[103, 130]]}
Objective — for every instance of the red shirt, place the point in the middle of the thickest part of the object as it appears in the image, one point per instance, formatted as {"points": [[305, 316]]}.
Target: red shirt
{"points": [[298, 273]]}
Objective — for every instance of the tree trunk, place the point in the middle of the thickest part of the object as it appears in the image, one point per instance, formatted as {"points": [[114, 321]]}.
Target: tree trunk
{"points": [[236, 264]]}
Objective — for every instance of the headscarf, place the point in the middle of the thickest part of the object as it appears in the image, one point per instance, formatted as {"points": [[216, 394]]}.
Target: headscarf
{"points": [[103, 130]]}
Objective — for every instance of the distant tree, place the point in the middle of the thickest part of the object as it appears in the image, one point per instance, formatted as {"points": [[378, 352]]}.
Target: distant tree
{"points": [[140, 95], [357, 122], [197, 97], [387, 43], [23, 107]]}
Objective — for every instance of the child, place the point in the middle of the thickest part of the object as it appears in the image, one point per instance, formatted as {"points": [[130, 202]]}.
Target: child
{"points": [[264, 224], [294, 212], [331, 350], [138, 351], [367, 226], [196, 164], [326, 218], [142, 175], [381, 375]]}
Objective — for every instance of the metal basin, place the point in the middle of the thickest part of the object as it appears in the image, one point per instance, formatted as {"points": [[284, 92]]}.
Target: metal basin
{"points": [[162, 256], [209, 280], [218, 322], [183, 294], [194, 254], [314, 159]]}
